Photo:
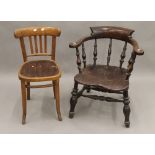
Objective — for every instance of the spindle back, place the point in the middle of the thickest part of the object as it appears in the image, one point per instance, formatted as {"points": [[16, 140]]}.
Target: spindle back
{"points": [[38, 43], [111, 33]]}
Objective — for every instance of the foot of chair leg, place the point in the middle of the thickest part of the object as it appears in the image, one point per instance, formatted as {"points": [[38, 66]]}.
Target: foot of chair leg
{"points": [[73, 100], [24, 119], [71, 114], [126, 109], [127, 124], [88, 89], [59, 117]]}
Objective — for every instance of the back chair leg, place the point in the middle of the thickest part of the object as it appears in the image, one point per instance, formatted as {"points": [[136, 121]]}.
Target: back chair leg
{"points": [[73, 100], [88, 89], [126, 109], [54, 88], [28, 91], [57, 96], [23, 90]]}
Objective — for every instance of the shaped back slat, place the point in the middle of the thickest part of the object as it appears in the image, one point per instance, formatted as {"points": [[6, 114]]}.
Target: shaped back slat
{"points": [[37, 38], [40, 41], [35, 43], [45, 44], [31, 45]]}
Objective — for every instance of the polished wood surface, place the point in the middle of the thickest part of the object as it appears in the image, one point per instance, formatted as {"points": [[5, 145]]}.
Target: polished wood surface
{"points": [[38, 70], [104, 78], [110, 78]]}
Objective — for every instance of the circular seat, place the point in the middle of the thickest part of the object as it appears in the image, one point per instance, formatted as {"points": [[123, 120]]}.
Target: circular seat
{"points": [[39, 70]]}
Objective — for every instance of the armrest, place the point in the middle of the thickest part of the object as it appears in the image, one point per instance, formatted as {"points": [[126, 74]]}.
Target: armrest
{"points": [[136, 48], [79, 42]]}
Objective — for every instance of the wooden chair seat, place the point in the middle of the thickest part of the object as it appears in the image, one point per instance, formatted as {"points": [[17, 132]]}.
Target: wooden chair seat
{"points": [[108, 77], [39, 70]]}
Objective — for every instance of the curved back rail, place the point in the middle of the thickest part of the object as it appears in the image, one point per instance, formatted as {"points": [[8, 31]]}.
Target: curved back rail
{"points": [[108, 32], [37, 38]]}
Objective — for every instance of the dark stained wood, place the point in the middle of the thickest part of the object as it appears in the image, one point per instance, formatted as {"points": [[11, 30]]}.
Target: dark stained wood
{"points": [[102, 76], [78, 60], [109, 52], [83, 55], [38, 70], [112, 32], [95, 52], [123, 54], [105, 78], [126, 109]]}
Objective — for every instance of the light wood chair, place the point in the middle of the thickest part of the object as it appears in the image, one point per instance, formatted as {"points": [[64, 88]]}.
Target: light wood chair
{"points": [[36, 39]]}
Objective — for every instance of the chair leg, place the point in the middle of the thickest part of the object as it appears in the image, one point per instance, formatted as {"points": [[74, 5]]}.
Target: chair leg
{"points": [[54, 90], [126, 109], [57, 96], [88, 89], [23, 90], [28, 91], [73, 100]]}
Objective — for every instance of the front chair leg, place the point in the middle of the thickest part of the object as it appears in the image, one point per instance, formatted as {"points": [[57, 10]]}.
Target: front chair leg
{"points": [[23, 90], [54, 90], [126, 109], [73, 100], [57, 97], [28, 90]]}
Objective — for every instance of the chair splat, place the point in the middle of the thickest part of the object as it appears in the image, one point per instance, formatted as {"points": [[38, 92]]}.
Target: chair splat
{"points": [[123, 54], [83, 55], [95, 52], [109, 52], [78, 60]]}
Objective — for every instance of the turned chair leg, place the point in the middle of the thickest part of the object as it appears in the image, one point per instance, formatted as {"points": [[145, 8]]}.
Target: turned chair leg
{"points": [[23, 90], [88, 89], [54, 90], [126, 109], [57, 96], [28, 91], [73, 100]]}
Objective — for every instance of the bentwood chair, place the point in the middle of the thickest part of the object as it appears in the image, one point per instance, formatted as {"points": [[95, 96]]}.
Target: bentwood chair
{"points": [[34, 41], [104, 78]]}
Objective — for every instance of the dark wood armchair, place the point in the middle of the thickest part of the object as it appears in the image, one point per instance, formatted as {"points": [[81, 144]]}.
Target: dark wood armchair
{"points": [[38, 42], [104, 78]]}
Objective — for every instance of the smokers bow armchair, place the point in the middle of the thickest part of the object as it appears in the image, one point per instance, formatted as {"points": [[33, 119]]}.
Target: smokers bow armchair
{"points": [[104, 78]]}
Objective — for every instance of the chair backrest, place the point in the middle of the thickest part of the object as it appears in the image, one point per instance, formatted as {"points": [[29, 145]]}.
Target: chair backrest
{"points": [[38, 41], [109, 32]]}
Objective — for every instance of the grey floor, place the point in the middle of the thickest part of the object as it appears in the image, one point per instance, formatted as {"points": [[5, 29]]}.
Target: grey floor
{"points": [[91, 116]]}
